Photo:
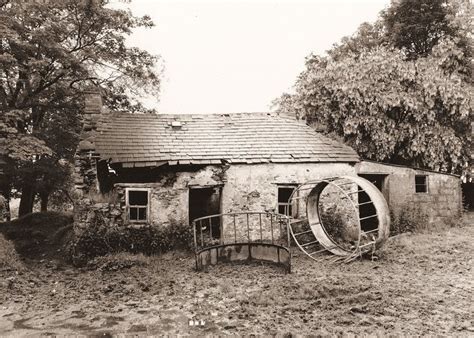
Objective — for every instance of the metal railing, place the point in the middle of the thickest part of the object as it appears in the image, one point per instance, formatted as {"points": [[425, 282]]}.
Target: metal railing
{"points": [[241, 227]]}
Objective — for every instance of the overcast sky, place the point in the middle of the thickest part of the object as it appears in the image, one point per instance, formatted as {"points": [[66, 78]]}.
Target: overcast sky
{"points": [[227, 56]]}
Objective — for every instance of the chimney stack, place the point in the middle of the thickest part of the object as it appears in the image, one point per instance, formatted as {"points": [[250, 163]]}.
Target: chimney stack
{"points": [[93, 108]]}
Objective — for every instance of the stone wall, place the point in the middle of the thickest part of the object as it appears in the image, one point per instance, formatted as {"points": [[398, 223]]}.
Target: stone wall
{"points": [[244, 188], [85, 159], [442, 202], [110, 208]]}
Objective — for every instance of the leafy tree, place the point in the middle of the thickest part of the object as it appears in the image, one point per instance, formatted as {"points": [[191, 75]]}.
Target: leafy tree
{"points": [[389, 109], [368, 36], [49, 52], [416, 26], [413, 110]]}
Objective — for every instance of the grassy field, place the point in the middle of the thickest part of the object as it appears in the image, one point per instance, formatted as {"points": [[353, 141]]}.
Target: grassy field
{"points": [[422, 284]]}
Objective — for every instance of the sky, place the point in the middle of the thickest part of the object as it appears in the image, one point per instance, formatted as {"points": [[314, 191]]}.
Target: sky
{"points": [[226, 56]]}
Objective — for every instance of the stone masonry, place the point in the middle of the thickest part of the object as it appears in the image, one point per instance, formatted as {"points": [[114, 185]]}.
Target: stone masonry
{"points": [[442, 203]]}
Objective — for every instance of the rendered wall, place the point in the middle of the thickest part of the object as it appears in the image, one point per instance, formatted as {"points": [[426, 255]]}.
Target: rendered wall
{"points": [[244, 188]]}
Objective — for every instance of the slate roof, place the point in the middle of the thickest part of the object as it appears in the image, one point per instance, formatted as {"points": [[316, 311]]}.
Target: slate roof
{"points": [[139, 140]]}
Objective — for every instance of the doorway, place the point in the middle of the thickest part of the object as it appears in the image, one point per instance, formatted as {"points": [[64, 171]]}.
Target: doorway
{"points": [[368, 209], [206, 201]]}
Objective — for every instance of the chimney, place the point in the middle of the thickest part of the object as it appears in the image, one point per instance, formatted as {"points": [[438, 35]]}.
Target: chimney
{"points": [[93, 108], [85, 177]]}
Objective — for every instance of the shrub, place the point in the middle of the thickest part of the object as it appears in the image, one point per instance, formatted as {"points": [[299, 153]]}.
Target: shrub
{"points": [[43, 234], [100, 239], [9, 259], [409, 219]]}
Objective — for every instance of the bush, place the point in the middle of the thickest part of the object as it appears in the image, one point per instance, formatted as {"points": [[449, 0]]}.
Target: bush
{"points": [[9, 259], [408, 219], [100, 239], [44, 234]]}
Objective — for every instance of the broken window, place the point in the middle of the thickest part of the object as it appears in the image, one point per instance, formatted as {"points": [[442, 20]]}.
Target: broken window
{"points": [[137, 204], [284, 194], [421, 183]]}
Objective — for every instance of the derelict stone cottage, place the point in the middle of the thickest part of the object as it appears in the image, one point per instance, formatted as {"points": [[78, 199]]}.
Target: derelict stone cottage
{"points": [[165, 169], [169, 169]]}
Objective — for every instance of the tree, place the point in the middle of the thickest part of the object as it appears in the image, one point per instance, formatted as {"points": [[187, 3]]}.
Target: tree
{"points": [[392, 110], [49, 52], [416, 26], [368, 36], [391, 105]]}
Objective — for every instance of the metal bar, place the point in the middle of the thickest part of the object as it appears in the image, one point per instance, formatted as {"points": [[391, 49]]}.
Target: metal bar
{"points": [[202, 236], [368, 232], [340, 184], [210, 228], [279, 224], [260, 220], [364, 203], [371, 243], [310, 243], [304, 189], [296, 221], [195, 237], [288, 235], [303, 232], [355, 192], [372, 216], [298, 198]]}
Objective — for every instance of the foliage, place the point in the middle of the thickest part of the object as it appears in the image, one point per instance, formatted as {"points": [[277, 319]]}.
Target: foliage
{"points": [[50, 51], [43, 234], [408, 219], [9, 259], [368, 36], [100, 239], [390, 108], [416, 26], [339, 225]]}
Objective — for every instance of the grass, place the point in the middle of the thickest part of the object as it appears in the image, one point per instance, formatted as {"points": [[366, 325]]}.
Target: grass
{"points": [[9, 259], [421, 285], [40, 235]]}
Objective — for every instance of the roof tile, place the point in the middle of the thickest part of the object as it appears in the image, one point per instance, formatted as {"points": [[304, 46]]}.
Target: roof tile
{"points": [[143, 140]]}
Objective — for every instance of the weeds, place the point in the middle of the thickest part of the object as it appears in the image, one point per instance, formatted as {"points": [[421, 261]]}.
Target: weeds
{"points": [[9, 259], [409, 219], [100, 239]]}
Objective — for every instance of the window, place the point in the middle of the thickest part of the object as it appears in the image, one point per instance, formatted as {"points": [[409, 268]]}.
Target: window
{"points": [[284, 194], [421, 183], [137, 205]]}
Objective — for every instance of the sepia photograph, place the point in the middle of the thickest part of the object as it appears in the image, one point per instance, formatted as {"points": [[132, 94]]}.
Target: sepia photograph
{"points": [[236, 168]]}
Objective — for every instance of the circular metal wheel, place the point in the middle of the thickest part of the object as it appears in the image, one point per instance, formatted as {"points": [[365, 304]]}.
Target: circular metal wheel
{"points": [[348, 189]]}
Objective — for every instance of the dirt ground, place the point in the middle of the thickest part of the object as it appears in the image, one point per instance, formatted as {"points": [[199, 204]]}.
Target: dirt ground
{"points": [[423, 284]]}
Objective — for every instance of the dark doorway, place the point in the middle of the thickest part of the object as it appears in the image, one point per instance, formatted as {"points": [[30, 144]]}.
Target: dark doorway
{"points": [[468, 195], [206, 202], [367, 209]]}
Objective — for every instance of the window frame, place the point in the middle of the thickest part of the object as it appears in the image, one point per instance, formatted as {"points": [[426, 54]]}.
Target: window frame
{"points": [[128, 206], [294, 186], [426, 184]]}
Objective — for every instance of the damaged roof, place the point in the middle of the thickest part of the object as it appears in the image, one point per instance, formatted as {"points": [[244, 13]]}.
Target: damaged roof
{"points": [[142, 140]]}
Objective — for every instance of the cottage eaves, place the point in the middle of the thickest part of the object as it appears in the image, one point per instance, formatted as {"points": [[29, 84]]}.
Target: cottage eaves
{"points": [[142, 140]]}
